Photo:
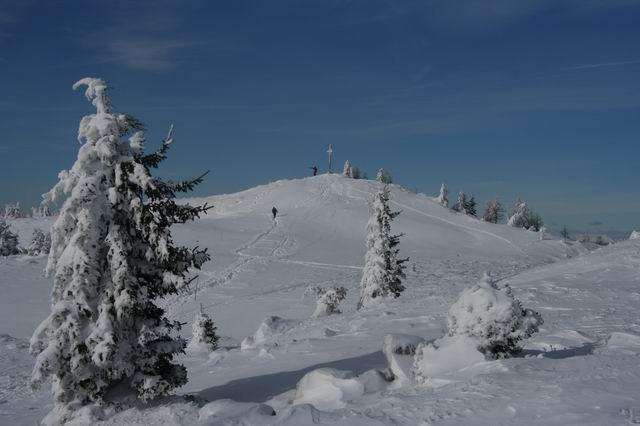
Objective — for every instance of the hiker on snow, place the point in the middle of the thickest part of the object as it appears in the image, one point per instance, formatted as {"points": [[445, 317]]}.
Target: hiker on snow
{"points": [[274, 211]]}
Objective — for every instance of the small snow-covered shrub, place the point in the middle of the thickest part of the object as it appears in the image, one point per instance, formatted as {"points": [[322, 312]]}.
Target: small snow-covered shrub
{"points": [[328, 300], [40, 243], [635, 235], [203, 333], [8, 241], [493, 317]]}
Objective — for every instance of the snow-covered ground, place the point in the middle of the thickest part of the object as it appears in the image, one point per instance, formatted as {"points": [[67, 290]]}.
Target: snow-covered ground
{"points": [[581, 368]]}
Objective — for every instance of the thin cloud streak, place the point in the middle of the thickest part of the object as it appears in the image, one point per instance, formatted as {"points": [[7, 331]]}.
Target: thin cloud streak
{"points": [[600, 65]]}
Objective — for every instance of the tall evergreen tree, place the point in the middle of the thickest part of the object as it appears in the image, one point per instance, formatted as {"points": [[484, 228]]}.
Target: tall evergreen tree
{"points": [[384, 269], [113, 258]]}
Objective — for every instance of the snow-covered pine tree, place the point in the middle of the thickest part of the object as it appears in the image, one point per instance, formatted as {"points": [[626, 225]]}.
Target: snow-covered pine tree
{"points": [[113, 258], [40, 243], [12, 211], [383, 269], [470, 207], [494, 212], [42, 210], [203, 332], [384, 177], [461, 205], [348, 170], [8, 240], [564, 233], [519, 216], [535, 223], [523, 217], [443, 198], [542, 233]]}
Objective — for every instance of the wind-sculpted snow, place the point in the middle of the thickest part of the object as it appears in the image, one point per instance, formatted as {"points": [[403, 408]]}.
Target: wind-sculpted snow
{"points": [[581, 368]]}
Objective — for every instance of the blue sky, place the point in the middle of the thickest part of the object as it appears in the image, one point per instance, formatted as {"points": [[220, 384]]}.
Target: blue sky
{"points": [[531, 98]]}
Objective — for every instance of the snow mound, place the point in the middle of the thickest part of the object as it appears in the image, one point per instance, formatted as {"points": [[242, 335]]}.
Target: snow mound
{"points": [[399, 349], [623, 340], [328, 389], [267, 331], [445, 355], [227, 411], [635, 235], [560, 340]]}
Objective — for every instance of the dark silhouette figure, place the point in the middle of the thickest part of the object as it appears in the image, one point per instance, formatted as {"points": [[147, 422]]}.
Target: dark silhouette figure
{"points": [[274, 211], [315, 170]]}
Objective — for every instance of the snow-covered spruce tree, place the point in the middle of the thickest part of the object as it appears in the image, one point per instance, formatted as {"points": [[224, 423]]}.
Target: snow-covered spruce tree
{"points": [[494, 212], [535, 222], [8, 240], [327, 300], [348, 170], [519, 216], [112, 258], [383, 269], [470, 207], [203, 332], [523, 217], [40, 243], [542, 233], [384, 177], [443, 198], [461, 205], [493, 317], [42, 210], [12, 211]]}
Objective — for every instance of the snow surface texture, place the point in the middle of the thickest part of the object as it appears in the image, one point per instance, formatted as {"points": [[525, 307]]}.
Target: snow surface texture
{"points": [[581, 368]]}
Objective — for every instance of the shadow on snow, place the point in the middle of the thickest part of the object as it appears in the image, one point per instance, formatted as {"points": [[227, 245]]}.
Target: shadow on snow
{"points": [[261, 388]]}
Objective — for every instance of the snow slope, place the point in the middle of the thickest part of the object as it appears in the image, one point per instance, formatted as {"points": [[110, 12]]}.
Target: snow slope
{"points": [[580, 369]]}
